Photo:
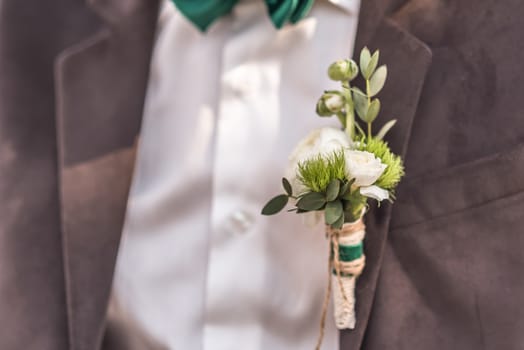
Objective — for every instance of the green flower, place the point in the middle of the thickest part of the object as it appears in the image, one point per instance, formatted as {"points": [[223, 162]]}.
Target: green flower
{"points": [[316, 173]]}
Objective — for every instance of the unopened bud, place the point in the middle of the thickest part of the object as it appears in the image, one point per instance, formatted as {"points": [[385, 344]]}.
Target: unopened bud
{"points": [[343, 70], [330, 103]]}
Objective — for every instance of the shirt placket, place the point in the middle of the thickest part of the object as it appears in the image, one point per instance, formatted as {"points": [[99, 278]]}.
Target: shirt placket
{"points": [[248, 101]]}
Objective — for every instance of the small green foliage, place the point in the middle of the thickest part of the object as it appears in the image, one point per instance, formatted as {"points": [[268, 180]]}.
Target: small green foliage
{"points": [[385, 129], [311, 201], [275, 205], [395, 167], [376, 83], [317, 173], [354, 203], [345, 189], [287, 186], [361, 103], [373, 110], [350, 100], [332, 190], [371, 66], [365, 57], [334, 210], [339, 223]]}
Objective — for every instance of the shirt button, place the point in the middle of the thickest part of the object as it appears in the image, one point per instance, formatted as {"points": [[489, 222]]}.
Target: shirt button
{"points": [[241, 82], [239, 88], [241, 221]]}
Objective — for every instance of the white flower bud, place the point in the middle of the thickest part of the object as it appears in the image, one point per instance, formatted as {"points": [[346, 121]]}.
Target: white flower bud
{"points": [[330, 103], [334, 102]]}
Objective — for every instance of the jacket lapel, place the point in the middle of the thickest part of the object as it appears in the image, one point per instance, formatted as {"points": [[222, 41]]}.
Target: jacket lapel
{"points": [[408, 60], [100, 83]]}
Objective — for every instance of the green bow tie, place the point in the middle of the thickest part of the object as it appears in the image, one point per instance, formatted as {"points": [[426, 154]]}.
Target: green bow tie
{"points": [[204, 12]]}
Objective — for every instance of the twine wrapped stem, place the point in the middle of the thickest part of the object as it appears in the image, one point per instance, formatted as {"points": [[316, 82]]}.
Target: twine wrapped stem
{"points": [[354, 234]]}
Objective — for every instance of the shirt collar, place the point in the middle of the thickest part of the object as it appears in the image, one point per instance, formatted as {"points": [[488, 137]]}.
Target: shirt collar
{"points": [[351, 6]]}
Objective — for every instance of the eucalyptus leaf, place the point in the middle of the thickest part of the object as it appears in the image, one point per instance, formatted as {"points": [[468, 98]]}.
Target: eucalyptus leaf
{"points": [[365, 57], [332, 190], [349, 194], [311, 201], [361, 104], [356, 90], [346, 188], [275, 205], [376, 83], [334, 210], [384, 130], [287, 186], [343, 189], [354, 201], [373, 110], [339, 223], [372, 65]]}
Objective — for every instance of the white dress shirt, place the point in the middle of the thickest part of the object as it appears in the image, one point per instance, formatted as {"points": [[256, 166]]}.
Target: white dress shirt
{"points": [[198, 266]]}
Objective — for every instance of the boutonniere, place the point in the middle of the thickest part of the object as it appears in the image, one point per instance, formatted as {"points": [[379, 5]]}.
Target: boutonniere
{"points": [[334, 173]]}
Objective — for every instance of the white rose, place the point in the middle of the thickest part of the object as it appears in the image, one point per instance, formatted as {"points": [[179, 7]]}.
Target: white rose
{"points": [[374, 192], [364, 167], [320, 141], [323, 141]]}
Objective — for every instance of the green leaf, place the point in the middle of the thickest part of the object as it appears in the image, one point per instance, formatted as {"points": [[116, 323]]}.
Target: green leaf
{"points": [[372, 65], [343, 189], [332, 190], [359, 129], [339, 223], [365, 57], [376, 83], [287, 186], [384, 130], [361, 103], [373, 110], [353, 201], [311, 201], [346, 188], [275, 205], [334, 210], [347, 195], [356, 90]]}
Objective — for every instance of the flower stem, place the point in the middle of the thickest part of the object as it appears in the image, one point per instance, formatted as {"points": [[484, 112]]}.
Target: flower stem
{"points": [[367, 92], [342, 118], [369, 104], [350, 114]]}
